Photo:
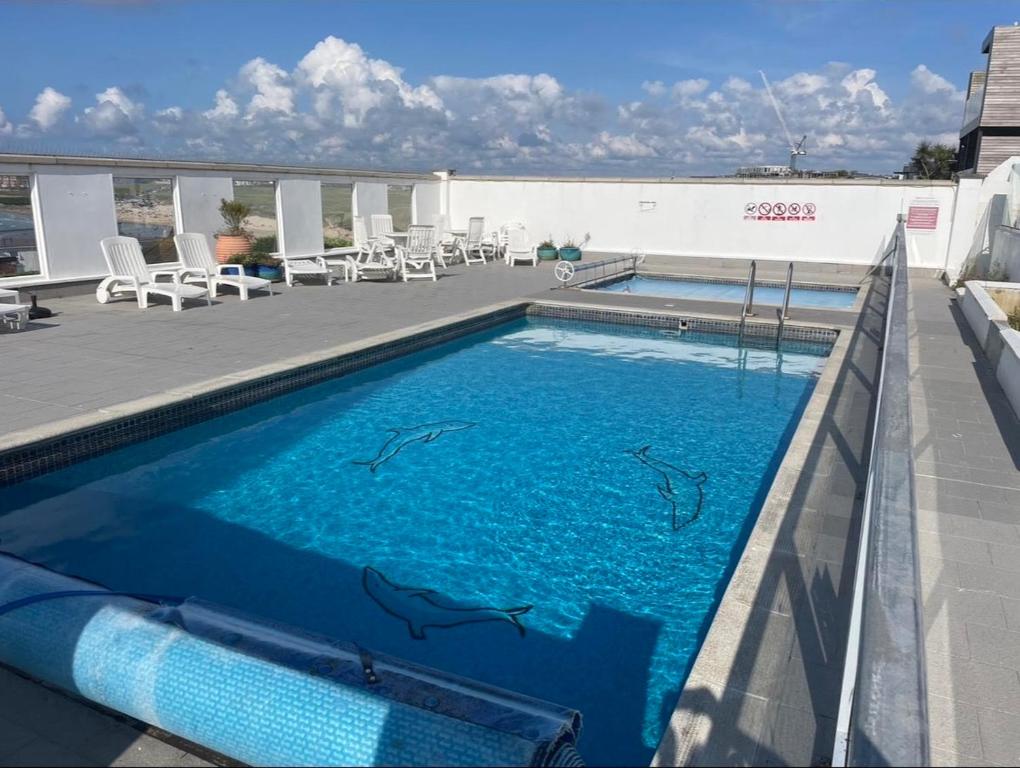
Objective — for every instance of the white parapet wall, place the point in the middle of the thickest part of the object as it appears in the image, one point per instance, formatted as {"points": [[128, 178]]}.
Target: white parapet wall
{"points": [[984, 304], [840, 221]]}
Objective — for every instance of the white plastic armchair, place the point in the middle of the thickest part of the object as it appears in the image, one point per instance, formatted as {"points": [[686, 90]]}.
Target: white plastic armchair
{"points": [[416, 258], [520, 248], [382, 228], [199, 266], [129, 274], [371, 259], [446, 243], [473, 247], [502, 238]]}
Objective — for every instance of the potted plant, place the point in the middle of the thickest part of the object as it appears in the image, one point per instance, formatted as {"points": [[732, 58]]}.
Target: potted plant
{"points": [[257, 265], [234, 239], [547, 250], [266, 265], [570, 251]]}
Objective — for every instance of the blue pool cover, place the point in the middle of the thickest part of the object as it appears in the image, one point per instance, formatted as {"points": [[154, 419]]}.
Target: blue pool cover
{"points": [[260, 692]]}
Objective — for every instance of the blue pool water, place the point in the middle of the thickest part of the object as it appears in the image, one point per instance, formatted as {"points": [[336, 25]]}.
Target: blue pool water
{"points": [[532, 491], [675, 288]]}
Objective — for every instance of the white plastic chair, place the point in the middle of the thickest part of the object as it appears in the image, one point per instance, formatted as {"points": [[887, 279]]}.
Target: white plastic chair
{"points": [[382, 228], [201, 267], [519, 247], [473, 248], [502, 238], [446, 244], [417, 257], [129, 274], [371, 259]]}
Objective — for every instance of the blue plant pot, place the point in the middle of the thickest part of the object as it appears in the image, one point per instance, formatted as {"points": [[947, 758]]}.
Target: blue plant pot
{"points": [[268, 273], [547, 254], [570, 254]]}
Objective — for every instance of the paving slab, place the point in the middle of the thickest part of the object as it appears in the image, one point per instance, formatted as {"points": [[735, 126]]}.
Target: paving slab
{"points": [[967, 449]]}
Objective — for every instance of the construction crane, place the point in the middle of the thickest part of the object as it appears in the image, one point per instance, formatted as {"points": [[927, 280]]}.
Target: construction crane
{"points": [[796, 148]]}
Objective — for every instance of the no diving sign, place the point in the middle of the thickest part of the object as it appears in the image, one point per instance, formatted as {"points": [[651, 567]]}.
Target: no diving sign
{"points": [[779, 211]]}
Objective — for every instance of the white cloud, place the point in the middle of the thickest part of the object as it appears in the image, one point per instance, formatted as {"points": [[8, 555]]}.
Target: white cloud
{"points": [[653, 87], [928, 82], [50, 105], [685, 88], [115, 114], [226, 108], [6, 127], [337, 104], [862, 82], [272, 86]]}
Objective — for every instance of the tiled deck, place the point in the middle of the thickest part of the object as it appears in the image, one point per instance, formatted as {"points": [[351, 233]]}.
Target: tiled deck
{"points": [[967, 446]]}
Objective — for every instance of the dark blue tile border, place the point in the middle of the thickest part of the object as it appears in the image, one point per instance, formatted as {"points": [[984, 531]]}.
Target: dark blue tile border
{"points": [[49, 454]]}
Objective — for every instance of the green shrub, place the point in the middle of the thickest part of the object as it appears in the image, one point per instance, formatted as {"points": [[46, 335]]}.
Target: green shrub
{"points": [[1014, 319], [264, 245], [234, 215], [336, 242]]}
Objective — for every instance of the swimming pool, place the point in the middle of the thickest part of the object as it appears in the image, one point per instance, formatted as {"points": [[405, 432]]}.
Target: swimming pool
{"points": [[715, 290], [548, 506]]}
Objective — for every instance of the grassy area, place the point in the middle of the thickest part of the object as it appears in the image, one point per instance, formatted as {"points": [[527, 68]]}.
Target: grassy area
{"points": [[261, 196], [336, 212], [398, 200]]}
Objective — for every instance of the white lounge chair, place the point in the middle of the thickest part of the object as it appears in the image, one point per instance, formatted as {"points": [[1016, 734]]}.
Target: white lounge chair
{"points": [[519, 247], [199, 266], [474, 247], [371, 259], [417, 258], [13, 316], [130, 274]]}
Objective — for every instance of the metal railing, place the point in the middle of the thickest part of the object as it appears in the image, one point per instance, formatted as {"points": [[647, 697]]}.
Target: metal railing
{"points": [[747, 307], [595, 271], [883, 715], [784, 313]]}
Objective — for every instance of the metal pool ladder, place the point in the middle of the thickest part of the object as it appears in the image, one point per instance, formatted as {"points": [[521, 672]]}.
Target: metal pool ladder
{"points": [[747, 308], [784, 313]]}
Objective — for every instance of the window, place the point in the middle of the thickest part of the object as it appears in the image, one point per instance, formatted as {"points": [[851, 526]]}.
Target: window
{"points": [[18, 254], [145, 209], [261, 196], [398, 202], [336, 215]]}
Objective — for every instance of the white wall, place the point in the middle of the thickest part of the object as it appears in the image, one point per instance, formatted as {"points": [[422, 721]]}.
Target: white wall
{"points": [[426, 203], [76, 211], [197, 203], [299, 207], [853, 220]]}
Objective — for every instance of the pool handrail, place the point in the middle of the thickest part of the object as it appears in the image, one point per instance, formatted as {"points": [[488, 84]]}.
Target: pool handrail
{"points": [[747, 306], [883, 717], [784, 313]]}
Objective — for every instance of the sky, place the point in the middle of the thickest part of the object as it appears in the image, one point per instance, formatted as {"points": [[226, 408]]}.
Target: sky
{"points": [[519, 86]]}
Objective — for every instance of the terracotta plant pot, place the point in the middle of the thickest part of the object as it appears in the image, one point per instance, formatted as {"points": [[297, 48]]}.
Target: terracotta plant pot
{"points": [[231, 245]]}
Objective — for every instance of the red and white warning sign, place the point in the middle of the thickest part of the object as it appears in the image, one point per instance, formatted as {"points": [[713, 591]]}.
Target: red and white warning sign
{"points": [[925, 216], [779, 211]]}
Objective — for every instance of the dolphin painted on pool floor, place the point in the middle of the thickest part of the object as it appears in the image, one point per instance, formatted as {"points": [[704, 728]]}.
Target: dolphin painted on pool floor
{"points": [[404, 436], [673, 482], [419, 609]]}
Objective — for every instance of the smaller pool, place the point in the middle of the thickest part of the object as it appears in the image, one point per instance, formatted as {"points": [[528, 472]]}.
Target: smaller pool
{"points": [[768, 293]]}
